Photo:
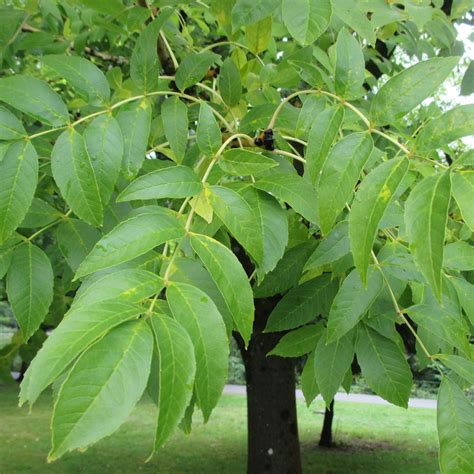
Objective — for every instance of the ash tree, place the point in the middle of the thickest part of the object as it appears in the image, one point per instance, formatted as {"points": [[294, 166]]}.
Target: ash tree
{"points": [[175, 173]]}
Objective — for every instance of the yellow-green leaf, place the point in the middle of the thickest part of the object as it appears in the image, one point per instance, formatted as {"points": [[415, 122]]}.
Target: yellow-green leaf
{"points": [[75, 177], [404, 91], [102, 388], [19, 176], [426, 214], [375, 193], [198, 314], [30, 287], [230, 278], [455, 429]]}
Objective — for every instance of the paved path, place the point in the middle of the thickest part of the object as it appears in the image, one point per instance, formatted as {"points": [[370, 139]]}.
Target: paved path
{"points": [[344, 397], [340, 397]]}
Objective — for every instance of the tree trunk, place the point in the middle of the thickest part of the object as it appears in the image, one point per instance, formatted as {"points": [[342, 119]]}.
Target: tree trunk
{"points": [[326, 433], [273, 443]]}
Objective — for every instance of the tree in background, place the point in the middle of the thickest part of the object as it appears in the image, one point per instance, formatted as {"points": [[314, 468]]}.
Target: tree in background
{"points": [[175, 173]]}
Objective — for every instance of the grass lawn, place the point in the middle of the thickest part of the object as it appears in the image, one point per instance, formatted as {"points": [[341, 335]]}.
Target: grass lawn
{"points": [[370, 439]]}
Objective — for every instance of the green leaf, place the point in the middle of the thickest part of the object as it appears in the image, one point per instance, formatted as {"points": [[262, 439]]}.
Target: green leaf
{"points": [[75, 240], [240, 219], [40, 214], [259, 34], [75, 333], [135, 122], [230, 278], [176, 371], [246, 12], [333, 247], [6, 252], [309, 384], [404, 91], [274, 225], [102, 388], [191, 271], [132, 238], [130, 285], [35, 98], [306, 20], [19, 175], [445, 325], [459, 256], [340, 174], [350, 66], [208, 133], [383, 366], [347, 382], [241, 162], [331, 363], [298, 342], [198, 314], [426, 214], [144, 62], [308, 73], [11, 20], [10, 127], [294, 190], [465, 290], [462, 187], [348, 11], [322, 134], [75, 177], [85, 77], [104, 144], [109, 7], [373, 197], [30, 287], [171, 182], [175, 123], [193, 68], [259, 116], [229, 83], [455, 429], [467, 84], [452, 125], [312, 107], [287, 272], [302, 304], [463, 367], [352, 302]]}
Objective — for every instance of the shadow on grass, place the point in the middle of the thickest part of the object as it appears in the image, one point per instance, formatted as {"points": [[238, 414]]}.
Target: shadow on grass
{"points": [[369, 439]]}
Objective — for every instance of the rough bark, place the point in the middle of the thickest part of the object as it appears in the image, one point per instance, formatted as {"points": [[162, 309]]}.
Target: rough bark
{"points": [[273, 443]]}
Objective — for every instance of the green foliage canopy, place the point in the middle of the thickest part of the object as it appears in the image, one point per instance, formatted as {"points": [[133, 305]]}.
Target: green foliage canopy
{"points": [[130, 179]]}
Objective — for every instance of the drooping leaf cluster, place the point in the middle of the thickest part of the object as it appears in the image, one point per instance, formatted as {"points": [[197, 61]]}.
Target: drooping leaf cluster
{"points": [[139, 220]]}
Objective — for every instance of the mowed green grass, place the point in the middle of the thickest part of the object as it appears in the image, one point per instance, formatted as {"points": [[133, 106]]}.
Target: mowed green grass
{"points": [[370, 439]]}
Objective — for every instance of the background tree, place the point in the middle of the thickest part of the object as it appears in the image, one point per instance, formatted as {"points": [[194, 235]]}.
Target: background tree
{"points": [[136, 203]]}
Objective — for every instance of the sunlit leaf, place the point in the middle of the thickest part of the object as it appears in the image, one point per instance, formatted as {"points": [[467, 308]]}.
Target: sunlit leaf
{"points": [[74, 174], [30, 287], [373, 197], [177, 368], [230, 278], [198, 314], [455, 429], [34, 98], [131, 238], [94, 401], [19, 176], [426, 214], [407, 89]]}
